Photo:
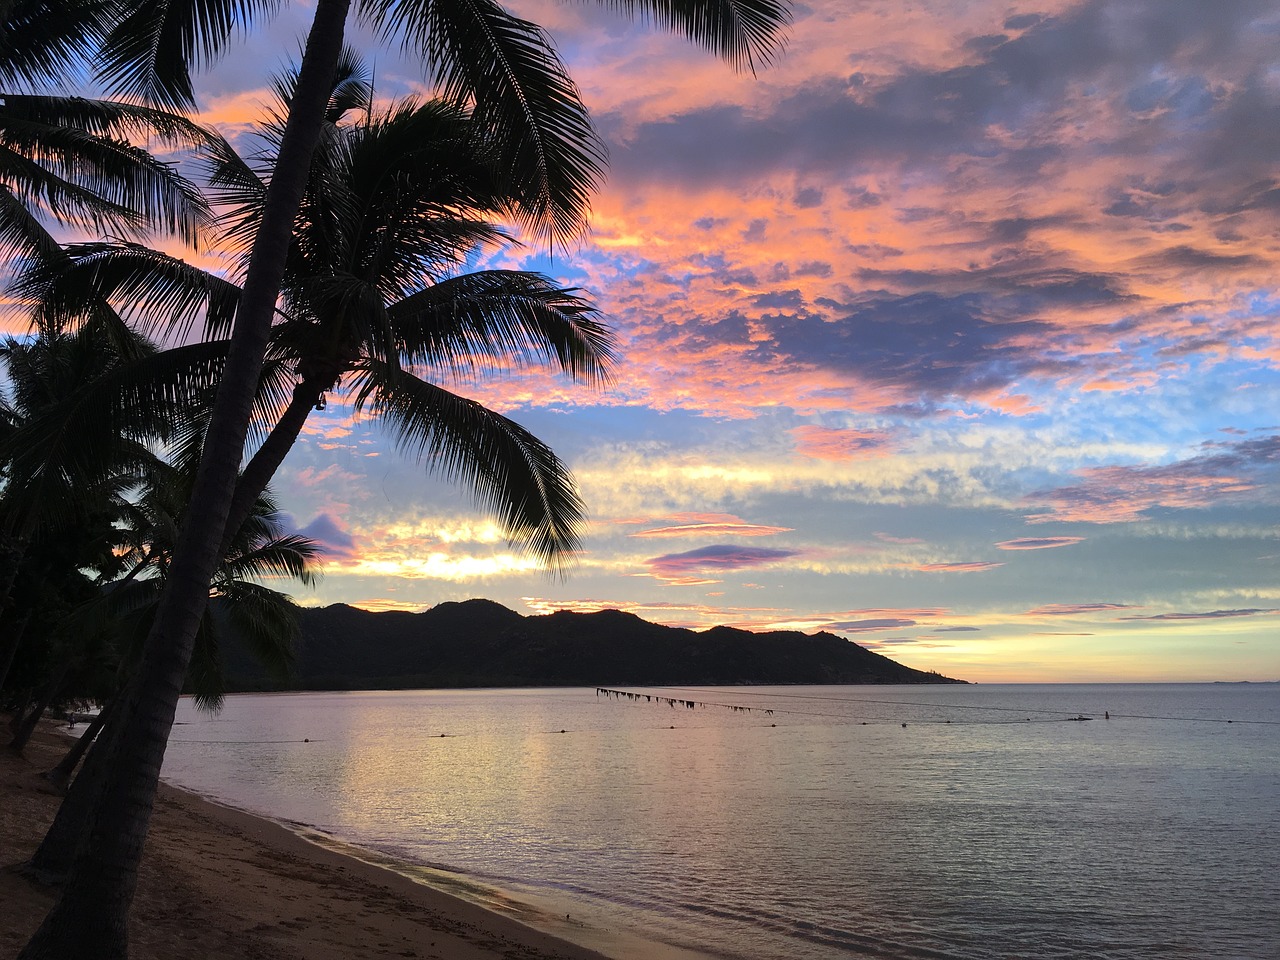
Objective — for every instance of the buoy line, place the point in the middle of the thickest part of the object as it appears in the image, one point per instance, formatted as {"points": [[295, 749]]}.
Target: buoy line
{"points": [[914, 703]]}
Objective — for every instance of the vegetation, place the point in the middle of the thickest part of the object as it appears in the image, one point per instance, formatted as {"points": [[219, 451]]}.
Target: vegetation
{"points": [[499, 76]]}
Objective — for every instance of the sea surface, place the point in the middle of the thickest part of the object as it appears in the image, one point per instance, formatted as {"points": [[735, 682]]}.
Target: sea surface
{"points": [[937, 822]]}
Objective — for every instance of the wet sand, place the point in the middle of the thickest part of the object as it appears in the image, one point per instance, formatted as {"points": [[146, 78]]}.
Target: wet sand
{"points": [[219, 882]]}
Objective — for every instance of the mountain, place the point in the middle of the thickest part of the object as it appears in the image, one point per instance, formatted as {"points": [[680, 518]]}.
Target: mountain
{"points": [[479, 643]]}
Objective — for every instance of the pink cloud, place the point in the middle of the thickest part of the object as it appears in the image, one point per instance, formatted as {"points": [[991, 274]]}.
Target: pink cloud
{"points": [[860, 626], [974, 566], [332, 475], [676, 518], [903, 540], [718, 527], [1038, 543], [686, 568], [825, 443], [1120, 494], [383, 605]]}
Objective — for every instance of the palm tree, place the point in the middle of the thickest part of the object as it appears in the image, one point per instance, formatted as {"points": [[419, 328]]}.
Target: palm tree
{"points": [[80, 417], [70, 160], [395, 202], [507, 69], [264, 620]]}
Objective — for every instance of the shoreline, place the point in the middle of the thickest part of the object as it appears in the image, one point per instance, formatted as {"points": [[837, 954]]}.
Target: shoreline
{"points": [[216, 880]]}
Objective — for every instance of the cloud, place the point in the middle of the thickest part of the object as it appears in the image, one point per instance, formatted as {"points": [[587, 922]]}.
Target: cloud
{"points": [[827, 443], [336, 542], [1120, 494], [975, 566], [1209, 615], [711, 525], [1038, 543], [384, 605], [858, 626], [684, 568], [699, 615], [1072, 609], [926, 344]]}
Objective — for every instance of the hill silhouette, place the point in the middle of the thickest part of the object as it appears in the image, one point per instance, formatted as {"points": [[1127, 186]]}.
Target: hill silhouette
{"points": [[479, 643]]}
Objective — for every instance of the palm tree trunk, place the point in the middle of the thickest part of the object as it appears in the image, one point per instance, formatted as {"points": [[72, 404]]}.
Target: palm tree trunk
{"points": [[262, 467], [60, 776], [28, 725], [12, 640], [51, 863], [91, 917]]}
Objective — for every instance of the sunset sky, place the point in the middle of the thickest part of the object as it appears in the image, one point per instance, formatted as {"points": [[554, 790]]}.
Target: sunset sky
{"points": [[953, 332]]}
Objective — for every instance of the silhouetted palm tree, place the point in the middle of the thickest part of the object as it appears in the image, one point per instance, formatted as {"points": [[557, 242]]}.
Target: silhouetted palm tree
{"points": [[395, 202], [264, 620], [507, 69], [79, 422]]}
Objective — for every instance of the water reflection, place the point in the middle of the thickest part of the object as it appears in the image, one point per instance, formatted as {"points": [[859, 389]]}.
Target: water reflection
{"points": [[820, 837]]}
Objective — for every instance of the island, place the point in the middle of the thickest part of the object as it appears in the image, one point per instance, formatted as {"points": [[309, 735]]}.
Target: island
{"points": [[480, 643]]}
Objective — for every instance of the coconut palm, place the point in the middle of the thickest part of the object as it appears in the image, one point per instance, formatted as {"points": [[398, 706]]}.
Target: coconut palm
{"points": [[396, 201], [73, 442], [264, 620], [507, 69], [72, 161], [45, 43]]}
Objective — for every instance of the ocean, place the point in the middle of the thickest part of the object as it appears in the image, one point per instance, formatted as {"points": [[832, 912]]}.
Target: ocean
{"points": [[796, 823]]}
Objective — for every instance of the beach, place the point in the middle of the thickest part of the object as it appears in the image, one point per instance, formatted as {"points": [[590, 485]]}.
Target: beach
{"points": [[219, 882]]}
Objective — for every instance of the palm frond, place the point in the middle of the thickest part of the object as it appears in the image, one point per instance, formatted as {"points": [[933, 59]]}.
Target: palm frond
{"points": [[157, 292], [105, 422], [746, 33], [95, 178], [510, 472], [151, 49], [44, 43], [460, 323], [508, 71], [205, 677], [22, 236], [291, 556], [113, 119], [266, 621]]}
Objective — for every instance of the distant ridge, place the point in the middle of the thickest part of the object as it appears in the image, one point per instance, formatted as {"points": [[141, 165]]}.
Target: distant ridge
{"points": [[479, 643]]}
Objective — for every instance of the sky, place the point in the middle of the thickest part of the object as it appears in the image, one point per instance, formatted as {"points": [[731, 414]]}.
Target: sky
{"points": [[953, 332]]}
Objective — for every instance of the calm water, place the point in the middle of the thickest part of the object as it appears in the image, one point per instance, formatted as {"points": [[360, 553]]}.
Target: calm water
{"points": [[990, 826]]}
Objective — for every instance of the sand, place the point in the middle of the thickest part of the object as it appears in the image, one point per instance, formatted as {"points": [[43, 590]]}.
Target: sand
{"points": [[216, 882]]}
